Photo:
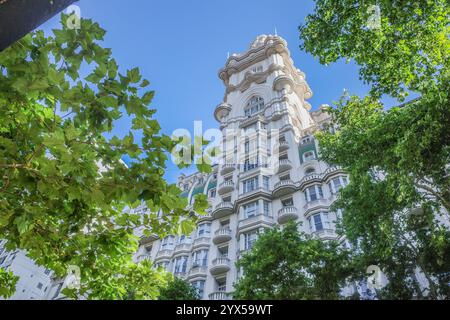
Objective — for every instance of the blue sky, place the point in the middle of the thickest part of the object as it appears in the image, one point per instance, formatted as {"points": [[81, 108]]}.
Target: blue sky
{"points": [[180, 46]]}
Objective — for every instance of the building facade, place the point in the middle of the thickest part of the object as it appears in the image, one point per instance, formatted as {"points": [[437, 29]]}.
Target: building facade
{"points": [[268, 173], [34, 282]]}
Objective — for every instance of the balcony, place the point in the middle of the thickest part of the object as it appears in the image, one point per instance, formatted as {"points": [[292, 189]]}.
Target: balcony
{"points": [[310, 178], [284, 165], [287, 213], [164, 254], [259, 219], [147, 239], [220, 265], [180, 275], [183, 247], [283, 187], [310, 162], [227, 168], [222, 209], [331, 171], [222, 235], [222, 110], [320, 203], [226, 186], [201, 242], [283, 146], [219, 295], [307, 141], [325, 234], [277, 114], [198, 271]]}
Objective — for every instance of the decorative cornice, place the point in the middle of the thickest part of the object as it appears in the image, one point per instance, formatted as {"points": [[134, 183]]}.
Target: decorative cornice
{"points": [[237, 63], [265, 47], [250, 77]]}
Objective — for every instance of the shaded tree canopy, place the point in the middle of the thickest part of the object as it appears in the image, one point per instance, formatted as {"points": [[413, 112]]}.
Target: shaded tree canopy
{"points": [[396, 207], [285, 264], [178, 289], [64, 189]]}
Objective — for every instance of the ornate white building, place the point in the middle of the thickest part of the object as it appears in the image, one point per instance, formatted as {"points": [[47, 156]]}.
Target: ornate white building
{"points": [[269, 172]]}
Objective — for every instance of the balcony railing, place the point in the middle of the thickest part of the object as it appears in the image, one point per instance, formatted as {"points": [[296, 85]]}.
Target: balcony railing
{"points": [[284, 164], [222, 235], [283, 187], [183, 247], [219, 295], [164, 254], [226, 186], [283, 146], [181, 274], [198, 271], [220, 265], [314, 204], [227, 168], [325, 234], [287, 213], [201, 241], [313, 177], [256, 220], [222, 209]]}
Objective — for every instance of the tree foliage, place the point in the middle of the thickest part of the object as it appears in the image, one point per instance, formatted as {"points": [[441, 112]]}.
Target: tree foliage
{"points": [[8, 283], [178, 289], [396, 207], [64, 189], [407, 52], [288, 265]]}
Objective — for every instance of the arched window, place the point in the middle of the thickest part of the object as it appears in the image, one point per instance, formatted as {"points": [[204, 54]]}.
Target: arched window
{"points": [[310, 171], [255, 105], [309, 155]]}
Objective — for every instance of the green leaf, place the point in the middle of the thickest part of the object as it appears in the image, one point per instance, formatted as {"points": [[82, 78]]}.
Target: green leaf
{"points": [[147, 97], [134, 75]]}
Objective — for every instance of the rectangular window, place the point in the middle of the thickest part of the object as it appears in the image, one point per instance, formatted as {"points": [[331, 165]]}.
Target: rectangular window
{"points": [[204, 230], [251, 163], [223, 252], [314, 193], [287, 202], [266, 208], [251, 209], [181, 264], [200, 287], [250, 239], [250, 184], [200, 258], [167, 243], [318, 226], [221, 285], [266, 183]]}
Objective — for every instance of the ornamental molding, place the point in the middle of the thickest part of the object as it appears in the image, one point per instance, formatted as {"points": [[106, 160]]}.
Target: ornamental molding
{"points": [[236, 63], [251, 77], [262, 48]]}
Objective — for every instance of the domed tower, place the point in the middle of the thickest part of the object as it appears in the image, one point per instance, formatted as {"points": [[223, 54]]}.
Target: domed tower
{"points": [[269, 171]]}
